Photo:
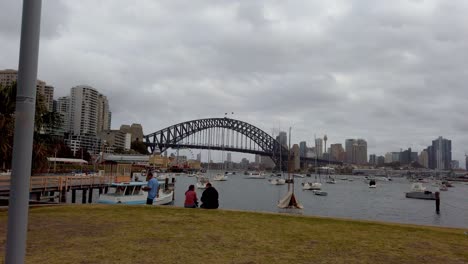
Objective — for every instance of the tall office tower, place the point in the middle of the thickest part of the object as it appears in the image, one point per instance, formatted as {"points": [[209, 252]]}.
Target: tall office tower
{"points": [[442, 150], [423, 159], [282, 138], [336, 152], [302, 148], [372, 159], [360, 152], [319, 147], [349, 143]]}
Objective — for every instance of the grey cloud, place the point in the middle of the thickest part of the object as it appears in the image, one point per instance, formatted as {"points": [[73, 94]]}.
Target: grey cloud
{"points": [[392, 72]]}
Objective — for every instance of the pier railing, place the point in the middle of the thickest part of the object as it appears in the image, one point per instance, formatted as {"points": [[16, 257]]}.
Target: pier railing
{"points": [[59, 183]]}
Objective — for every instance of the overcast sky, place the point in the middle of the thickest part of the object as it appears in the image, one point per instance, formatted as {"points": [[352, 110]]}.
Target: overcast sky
{"points": [[392, 72]]}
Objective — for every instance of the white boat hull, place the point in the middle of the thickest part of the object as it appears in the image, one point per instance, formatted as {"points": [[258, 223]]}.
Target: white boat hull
{"points": [[312, 186], [277, 181], [220, 178], [163, 199]]}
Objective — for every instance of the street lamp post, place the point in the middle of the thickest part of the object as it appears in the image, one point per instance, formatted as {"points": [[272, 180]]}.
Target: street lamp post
{"points": [[24, 130]]}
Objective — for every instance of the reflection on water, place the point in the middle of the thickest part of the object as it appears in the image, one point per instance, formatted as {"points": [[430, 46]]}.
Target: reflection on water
{"points": [[345, 199]]}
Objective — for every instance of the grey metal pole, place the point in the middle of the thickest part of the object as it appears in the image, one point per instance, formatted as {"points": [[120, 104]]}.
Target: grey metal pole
{"points": [[24, 129]]}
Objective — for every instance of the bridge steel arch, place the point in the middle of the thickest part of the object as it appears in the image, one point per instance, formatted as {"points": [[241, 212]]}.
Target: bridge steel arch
{"points": [[170, 136]]}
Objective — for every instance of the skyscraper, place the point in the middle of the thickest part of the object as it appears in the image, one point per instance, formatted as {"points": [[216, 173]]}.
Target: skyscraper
{"points": [[89, 111], [372, 159], [302, 148], [442, 149], [336, 152], [349, 143], [282, 138], [423, 159], [319, 147], [360, 152]]}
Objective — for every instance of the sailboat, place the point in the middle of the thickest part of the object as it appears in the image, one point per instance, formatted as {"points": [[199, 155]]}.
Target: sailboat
{"points": [[289, 201], [280, 180]]}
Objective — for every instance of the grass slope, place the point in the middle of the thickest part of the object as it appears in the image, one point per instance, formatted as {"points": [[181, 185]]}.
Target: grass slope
{"points": [[140, 234]]}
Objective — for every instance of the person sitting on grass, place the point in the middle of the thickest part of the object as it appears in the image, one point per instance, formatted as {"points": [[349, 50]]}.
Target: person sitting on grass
{"points": [[191, 200], [209, 197]]}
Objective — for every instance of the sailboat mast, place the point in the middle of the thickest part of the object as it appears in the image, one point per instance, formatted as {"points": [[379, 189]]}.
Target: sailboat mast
{"points": [[289, 161]]}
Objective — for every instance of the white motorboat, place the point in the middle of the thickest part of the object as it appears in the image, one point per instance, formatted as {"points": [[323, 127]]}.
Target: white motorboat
{"points": [[220, 177], [132, 193], [256, 175], [311, 186], [298, 175], [331, 180], [201, 182], [418, 191], [276, 181]]}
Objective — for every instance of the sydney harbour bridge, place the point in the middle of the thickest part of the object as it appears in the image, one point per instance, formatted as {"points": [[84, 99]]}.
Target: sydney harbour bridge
{"points": [[223, 134]]}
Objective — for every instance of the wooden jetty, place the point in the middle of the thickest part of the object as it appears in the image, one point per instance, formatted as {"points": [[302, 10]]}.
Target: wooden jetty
{"points": [[56, 187]]}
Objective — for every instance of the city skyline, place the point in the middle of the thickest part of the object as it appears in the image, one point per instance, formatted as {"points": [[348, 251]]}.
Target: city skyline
{"points": [[404, 93]]}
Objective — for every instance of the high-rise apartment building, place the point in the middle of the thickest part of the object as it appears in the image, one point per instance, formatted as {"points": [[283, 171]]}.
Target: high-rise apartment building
{"points": [[388, 157], [9, 76], [380, 160], [319, 147], [89, 111], [466, 162], [373, 159]]}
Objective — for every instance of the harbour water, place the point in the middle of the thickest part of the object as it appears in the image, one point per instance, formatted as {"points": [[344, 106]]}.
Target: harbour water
{"points": [[346, 199]]}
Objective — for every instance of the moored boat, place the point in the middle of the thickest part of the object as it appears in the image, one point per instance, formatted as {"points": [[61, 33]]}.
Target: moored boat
{"points": [[220, 177], [277, 181], [132, 193], [418, 191], [311, 186]]}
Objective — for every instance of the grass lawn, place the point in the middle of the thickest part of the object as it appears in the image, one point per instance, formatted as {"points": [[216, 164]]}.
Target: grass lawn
{"points": [[141, 234]]}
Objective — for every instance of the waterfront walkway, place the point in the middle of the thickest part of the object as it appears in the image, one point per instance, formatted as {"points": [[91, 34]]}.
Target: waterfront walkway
{"points": [[146, 234]]}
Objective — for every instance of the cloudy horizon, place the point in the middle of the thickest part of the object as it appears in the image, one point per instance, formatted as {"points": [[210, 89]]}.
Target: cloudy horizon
{"points": [[391, 72]]}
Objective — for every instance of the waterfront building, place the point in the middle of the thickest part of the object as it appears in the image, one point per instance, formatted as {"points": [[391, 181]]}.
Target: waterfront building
{"points": [[407, 156], [9, 76], [372, 159], [310, 152], [103, 114], [89, 142], [455, 164], [319, 147], [396, 156], [303, 148]]}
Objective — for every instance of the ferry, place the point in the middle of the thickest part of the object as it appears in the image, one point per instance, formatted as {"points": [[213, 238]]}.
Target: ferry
{"points": [[132, 193]]}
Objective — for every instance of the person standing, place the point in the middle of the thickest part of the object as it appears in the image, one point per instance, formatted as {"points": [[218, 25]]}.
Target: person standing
{"points": [[191, 200], [210, 197], [152, 188]]}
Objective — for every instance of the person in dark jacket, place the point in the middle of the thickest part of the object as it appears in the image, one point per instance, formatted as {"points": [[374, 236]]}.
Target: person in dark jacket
{"points": [[209, 197]]}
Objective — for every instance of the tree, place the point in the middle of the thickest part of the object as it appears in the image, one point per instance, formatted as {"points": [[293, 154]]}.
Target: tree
{"points": [[83, 153], [139, 147]]}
